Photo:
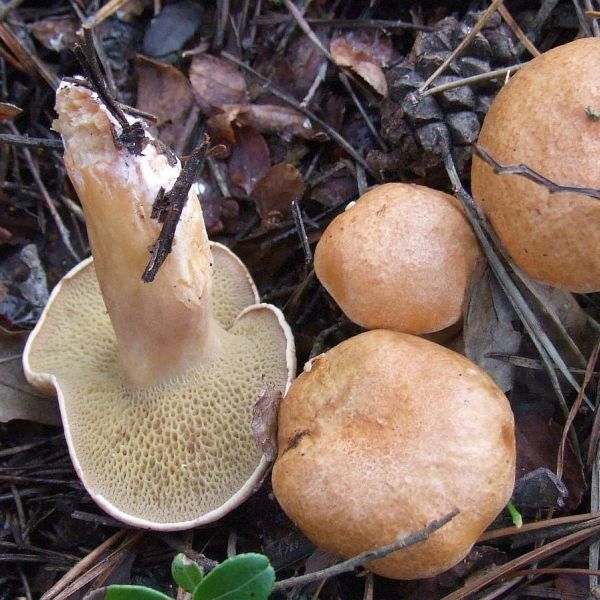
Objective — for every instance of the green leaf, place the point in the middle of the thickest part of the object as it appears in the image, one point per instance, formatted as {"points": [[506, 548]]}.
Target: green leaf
{"points": [[133, 592], [243, 577], [186, 573]]}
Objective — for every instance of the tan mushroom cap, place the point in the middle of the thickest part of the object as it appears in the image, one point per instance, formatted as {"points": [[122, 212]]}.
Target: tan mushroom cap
{"points": [[400, 258], [385, 433], [539, 119], [178, 450]]}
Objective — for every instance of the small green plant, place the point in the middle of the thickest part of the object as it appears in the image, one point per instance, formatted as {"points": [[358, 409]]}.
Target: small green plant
{"points": [[243, 577]]}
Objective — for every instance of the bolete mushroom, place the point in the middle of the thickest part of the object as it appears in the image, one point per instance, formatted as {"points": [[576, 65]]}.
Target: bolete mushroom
{"points": [[400, 258], [545, 119], [156, 381], [385, 433]]}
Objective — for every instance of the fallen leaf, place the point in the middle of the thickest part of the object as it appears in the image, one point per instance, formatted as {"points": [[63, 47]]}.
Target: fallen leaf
{"points": [[56, 33], [9, 111], [540, 488], [172, 28], [26, 290], [365, 52], [538, 438], [336, 190], [18, 400], [216, 83], [250, 159], [264, 420], [275, 192], [489, 328], [214, 206], [165, 92], [266, 118]]}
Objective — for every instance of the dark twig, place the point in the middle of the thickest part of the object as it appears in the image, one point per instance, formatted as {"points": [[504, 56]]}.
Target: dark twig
{"points": [[366, 557], [29, 142], [62, 229], [534, 176], [169, 212], [301, 233], [133, 136], [345, 23]]}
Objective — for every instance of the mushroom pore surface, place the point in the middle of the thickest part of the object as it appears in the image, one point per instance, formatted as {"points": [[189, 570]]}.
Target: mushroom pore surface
{"points": [[400, 258], [385, 433], [172, 451], [540, 119]]}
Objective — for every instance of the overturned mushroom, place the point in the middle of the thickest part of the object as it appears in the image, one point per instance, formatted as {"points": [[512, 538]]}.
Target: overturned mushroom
{"points": [[156, 396]]}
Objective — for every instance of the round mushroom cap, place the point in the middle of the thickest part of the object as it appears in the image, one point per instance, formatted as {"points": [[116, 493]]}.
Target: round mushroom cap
{"points": [[399, 258], [385, 433], [171, 455], [540, 119]]}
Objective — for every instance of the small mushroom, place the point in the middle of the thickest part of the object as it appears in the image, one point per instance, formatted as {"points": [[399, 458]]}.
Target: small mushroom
{"points": [[156, 381], [544, 118], [400, 258], [385, 433]]}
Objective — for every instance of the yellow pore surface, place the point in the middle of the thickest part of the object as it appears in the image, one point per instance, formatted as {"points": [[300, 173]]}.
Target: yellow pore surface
{"points": [[175, 451]]}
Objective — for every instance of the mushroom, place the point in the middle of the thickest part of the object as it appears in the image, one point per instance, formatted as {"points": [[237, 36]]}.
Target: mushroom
{"points": [[385, 433], [156, 381], [399, 258], [544, 118]]}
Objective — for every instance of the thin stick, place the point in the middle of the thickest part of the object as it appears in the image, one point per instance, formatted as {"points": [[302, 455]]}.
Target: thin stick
{"points": [[60, 225], [518, 31], [575, 409], [83, 565], [534, 176], [473, 79], [346, 23], [29, 142], [306, 28], [466, 41], [365, 557], [301, 232], [363, 113], [479, 582], [109, 9]]}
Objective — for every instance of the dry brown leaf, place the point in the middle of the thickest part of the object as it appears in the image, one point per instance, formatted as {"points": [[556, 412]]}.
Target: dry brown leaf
{"points": [[165, 92], [9, 111], [266, 118], [56, 33], [275, 192], [250, 159], [18, 400], [489, 328], [264, 420], [216, 83], [365, 53]]}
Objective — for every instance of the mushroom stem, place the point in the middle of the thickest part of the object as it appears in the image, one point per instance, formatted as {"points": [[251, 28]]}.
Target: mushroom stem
{"points": [[160, 327]]}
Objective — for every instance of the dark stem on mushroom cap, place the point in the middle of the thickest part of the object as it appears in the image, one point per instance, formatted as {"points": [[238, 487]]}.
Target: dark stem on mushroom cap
{"points": [[533, 175]]}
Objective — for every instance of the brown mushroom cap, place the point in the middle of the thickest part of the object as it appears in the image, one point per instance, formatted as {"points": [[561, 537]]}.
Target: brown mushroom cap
{"points": [[385, 433], [539, 119], [400, 258]]}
